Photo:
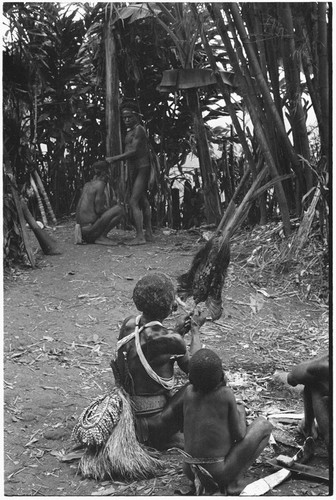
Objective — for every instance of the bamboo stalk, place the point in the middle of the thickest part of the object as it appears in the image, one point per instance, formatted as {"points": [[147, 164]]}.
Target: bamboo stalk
{"points": [[25, 237], [303, 232], [45, 197], [39, 201]]}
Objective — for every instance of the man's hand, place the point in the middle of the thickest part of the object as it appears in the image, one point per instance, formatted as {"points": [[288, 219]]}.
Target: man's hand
{"points": [[198, 317], [183, 325]]}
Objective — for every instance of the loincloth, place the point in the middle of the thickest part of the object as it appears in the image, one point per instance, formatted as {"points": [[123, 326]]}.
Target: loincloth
{"points": [[203, 460], [204, 482]]}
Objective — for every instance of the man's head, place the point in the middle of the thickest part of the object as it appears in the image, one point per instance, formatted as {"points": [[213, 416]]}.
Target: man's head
{"points": [[101, 168], [154, 296], [205, 370], [130, 113]]}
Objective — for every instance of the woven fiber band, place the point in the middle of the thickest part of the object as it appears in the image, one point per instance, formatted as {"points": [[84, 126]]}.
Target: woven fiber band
{"points": [[148, 404]]}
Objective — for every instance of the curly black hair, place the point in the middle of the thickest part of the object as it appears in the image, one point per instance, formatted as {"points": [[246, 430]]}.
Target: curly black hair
{"points": [[154, 295], [131, 106], [205, 370]]}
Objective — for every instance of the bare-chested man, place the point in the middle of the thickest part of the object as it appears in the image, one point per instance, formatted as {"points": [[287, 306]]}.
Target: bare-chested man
{"points": [[314, 375], [146, 353], [138, 162], [216, 436], [92, 214]]}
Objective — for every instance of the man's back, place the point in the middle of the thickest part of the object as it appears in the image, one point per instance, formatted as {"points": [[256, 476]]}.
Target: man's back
{"points": [[158, 346], [86, 208]]}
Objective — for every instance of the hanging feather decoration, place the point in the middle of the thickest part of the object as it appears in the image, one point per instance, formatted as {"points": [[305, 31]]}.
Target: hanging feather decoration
{"points": [[205, 279]]}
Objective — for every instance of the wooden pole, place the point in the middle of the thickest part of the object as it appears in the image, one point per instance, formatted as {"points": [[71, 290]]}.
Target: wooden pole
{"points": [[22, 221]]}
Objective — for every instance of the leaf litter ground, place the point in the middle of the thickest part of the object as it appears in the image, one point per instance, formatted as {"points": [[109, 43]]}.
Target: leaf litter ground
{"points": [[61, 323]]}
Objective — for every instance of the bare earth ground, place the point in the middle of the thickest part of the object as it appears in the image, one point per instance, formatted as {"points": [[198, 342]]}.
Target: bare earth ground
{"points": [[60, 329]]}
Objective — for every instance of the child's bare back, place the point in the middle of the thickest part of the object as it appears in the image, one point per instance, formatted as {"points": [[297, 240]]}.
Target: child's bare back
{"points": [[215, 432], [213, 422]]}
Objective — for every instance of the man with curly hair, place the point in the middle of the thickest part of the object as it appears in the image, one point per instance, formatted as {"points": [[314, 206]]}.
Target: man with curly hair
{"points": [[146, 354]]}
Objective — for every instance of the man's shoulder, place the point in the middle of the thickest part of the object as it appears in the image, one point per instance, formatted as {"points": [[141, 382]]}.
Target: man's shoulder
{"points": [[140, 130], [160, 332], [127, 326]]}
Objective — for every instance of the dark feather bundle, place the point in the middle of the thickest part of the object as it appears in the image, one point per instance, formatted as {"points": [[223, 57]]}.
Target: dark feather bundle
{"points": [[205, 279]]}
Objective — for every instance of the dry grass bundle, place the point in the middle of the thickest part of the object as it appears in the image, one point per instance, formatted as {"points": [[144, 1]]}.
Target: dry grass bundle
{"points": [[121, 456]]}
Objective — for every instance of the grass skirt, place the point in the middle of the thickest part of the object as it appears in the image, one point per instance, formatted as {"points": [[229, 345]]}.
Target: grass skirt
{"points": [[121, 456]]}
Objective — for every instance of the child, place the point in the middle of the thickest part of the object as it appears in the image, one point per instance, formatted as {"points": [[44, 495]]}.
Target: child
{"points": [[216, 436], [146, 353]]}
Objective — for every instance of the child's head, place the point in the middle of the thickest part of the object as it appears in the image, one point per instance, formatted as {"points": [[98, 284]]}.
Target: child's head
{"points": [[154, 295], [205, 370]]}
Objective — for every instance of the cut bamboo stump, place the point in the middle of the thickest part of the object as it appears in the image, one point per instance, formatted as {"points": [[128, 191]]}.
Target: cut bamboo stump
{"points": [[45, 197], [48, 245], [39, 201]]}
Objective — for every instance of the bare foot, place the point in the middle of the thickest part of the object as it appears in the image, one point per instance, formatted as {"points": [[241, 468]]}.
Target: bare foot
{"points": [[136, 241], [149, 236], [306, 431], [236, 487], [104, 240]]}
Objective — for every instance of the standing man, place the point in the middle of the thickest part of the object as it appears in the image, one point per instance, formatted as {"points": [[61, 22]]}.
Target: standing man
{"points": [[138, 162], [92, 213]]}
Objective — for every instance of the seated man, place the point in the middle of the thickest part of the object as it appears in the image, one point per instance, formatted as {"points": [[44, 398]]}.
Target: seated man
{"points": [[92, 214], [146, 353], [314, 375], [219, 443]]}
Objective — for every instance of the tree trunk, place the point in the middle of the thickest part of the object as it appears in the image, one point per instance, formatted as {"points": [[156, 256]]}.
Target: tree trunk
{"points": [[113, 134], [292, 75], [209, 177], [255, 113], [263, 85], [324, 76]]}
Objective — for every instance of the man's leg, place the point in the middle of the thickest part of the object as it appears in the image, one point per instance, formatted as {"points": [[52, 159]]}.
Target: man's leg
{"points": [[97, 233], [118, 214], [139, 188], [321, 410], [147, 217], [307, 426]]}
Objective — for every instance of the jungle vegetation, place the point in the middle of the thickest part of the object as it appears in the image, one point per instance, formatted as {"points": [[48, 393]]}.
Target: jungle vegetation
{"points": [[263, 67]]}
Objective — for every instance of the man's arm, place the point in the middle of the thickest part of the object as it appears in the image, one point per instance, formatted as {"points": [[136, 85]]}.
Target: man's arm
{"points": [[133, 149], [100, 199], [310, 372], [169, 343]]}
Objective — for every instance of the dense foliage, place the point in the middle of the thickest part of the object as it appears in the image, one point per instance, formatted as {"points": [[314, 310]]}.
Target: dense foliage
{"points": [[54, 95]]}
